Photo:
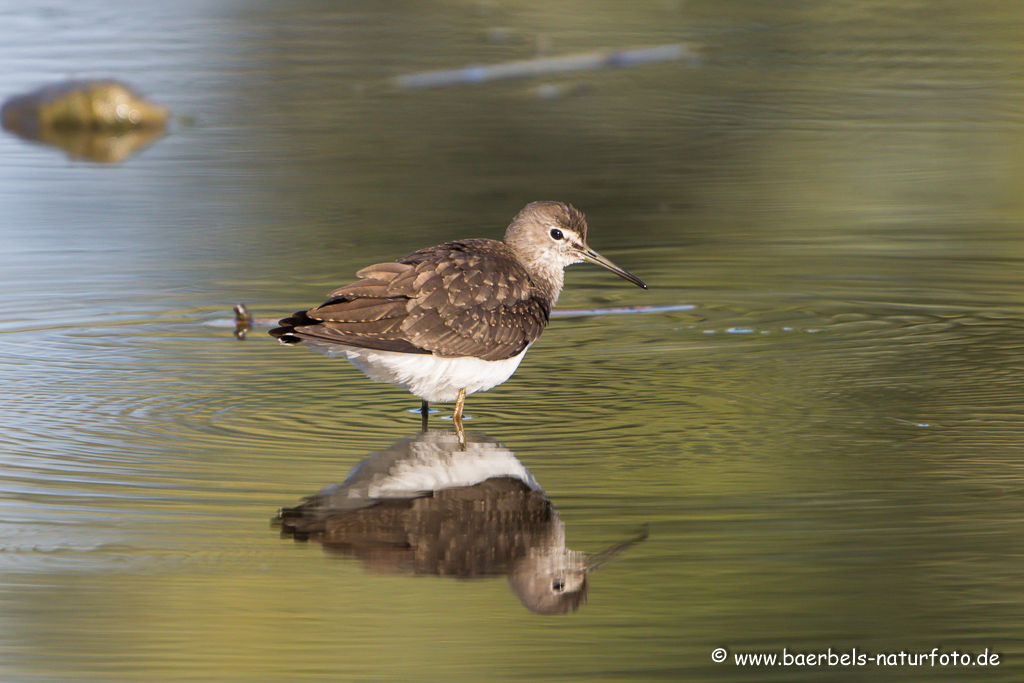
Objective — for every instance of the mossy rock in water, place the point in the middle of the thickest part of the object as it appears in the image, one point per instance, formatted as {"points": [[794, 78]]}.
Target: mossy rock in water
{"points": [[102, 105], [73, 114]]}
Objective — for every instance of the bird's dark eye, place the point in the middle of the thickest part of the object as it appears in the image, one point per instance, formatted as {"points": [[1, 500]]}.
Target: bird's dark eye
{"points": [[556, 234], [558, 585]]}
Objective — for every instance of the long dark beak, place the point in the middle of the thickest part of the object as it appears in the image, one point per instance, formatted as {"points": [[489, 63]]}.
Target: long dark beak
{"points": [[596, 561], [591, 256]]}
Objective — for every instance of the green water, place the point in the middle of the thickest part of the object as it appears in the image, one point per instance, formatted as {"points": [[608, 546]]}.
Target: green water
{"points": [[826, 450]]}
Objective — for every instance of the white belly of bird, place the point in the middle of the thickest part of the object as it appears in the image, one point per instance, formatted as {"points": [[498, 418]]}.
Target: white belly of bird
{"points": [[431, 378]]}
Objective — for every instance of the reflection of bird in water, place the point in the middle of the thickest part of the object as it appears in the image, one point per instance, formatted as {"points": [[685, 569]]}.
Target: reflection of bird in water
{"points": [[428, 505]]}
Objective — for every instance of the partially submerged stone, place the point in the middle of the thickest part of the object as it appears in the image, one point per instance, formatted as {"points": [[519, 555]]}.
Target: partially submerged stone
{"points": [[101, 120], [105, 105]]}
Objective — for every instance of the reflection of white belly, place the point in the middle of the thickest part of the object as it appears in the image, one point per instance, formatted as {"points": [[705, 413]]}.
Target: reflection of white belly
{"points": [[430, 377]]}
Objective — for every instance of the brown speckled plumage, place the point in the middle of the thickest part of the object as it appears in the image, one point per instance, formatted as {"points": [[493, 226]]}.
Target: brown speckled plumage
{"points": [[465, 298]]}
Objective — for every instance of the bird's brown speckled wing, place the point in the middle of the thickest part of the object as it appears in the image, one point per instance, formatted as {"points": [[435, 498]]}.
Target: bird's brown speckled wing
{"points": [[447, 300]]}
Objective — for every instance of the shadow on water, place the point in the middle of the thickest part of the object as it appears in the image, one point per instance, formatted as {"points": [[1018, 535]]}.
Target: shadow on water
{"points": [[438, 504]]}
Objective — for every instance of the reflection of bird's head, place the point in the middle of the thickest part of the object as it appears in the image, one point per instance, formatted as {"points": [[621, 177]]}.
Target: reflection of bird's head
{"points": [[552, 579], [553, 583]]}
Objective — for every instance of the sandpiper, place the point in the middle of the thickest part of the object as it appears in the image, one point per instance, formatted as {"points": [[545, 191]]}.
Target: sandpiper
{"points": [[454, 319]]}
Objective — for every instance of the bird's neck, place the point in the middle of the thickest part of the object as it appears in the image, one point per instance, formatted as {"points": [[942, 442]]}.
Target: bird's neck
{"points": [[547, 278]]}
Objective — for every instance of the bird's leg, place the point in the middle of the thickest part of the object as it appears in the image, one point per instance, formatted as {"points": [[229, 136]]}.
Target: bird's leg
{"points": [[457, 416], [459, 403], [424, 415]]}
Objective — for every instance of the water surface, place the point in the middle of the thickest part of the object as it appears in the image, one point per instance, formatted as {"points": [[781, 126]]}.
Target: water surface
{"points": [[826, 450]]}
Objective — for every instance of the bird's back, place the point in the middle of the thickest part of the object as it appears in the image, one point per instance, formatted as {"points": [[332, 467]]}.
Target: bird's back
{"points": [[463, 298]]}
